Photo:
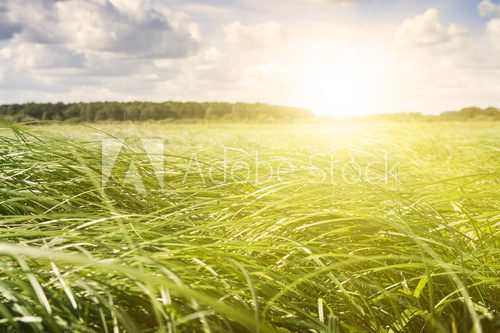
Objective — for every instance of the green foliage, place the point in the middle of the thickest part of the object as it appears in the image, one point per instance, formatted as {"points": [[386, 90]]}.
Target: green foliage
{"points": [[474, 113], [215, 111], [288, 253], [466, 114], [145, 111]]}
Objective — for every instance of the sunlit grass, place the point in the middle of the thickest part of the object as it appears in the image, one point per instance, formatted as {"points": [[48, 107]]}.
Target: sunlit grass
{"points": [[312, 248]]}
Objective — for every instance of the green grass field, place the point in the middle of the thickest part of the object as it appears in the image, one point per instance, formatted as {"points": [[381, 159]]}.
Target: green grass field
{"points": [[262, 228]]}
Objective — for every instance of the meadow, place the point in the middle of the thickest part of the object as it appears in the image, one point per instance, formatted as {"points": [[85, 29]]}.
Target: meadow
{"points": [[344, 227]]}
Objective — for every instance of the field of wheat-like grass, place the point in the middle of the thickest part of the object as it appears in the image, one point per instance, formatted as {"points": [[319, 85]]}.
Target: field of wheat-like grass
{"points": [[259, 228]]}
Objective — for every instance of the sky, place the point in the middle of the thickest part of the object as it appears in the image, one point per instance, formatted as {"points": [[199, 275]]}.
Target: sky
{"points": [[334, 57]]}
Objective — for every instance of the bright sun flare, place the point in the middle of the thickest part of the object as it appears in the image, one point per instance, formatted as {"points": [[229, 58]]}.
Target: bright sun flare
{"points": [[344, 80]]}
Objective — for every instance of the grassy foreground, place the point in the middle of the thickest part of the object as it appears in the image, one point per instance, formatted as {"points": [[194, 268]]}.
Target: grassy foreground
{"points": [[270, 228]]}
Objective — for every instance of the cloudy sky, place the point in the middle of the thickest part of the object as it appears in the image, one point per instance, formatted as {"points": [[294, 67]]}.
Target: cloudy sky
{"points": [[334, 57]]}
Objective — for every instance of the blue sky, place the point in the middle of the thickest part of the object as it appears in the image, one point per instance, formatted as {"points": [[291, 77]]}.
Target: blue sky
{"points": [[334, 57]]}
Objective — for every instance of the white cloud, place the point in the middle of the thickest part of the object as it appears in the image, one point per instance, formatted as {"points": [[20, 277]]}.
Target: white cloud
{"points": [[39, 56], [487, 8], [62, 50], [7, 27], [426, 29], [132, 28], [493, 32], [265, 33], [450, 68]]}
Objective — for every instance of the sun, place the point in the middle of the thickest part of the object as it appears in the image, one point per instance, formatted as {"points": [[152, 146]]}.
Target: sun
{"points": [[344, 79]]}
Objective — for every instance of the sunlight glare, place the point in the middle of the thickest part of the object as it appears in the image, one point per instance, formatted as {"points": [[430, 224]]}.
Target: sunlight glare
{"points": [[344, 80]]}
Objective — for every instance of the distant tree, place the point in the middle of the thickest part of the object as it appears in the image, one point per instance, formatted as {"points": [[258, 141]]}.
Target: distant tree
{"points": [[218, 110]]}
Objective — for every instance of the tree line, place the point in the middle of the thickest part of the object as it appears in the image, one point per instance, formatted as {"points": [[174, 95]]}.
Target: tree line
{"points": [[192, 111], [465, 114], [474, 113], [148, 111]]}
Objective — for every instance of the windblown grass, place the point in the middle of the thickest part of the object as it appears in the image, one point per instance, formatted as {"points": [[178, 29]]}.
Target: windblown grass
{"points": [[308, 249]]}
